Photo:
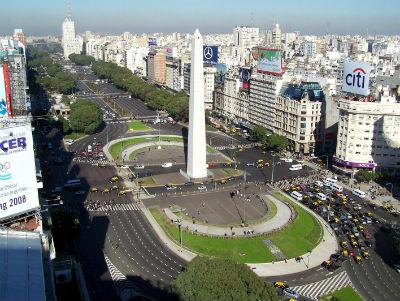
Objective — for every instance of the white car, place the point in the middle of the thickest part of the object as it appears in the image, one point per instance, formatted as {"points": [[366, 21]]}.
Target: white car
{"points": [[202, 187], [287, 160], [138, 167], [69, 141], [171, 187]]}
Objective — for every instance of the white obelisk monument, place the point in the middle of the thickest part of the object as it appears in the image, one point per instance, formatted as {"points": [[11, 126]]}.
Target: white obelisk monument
{"points": [[196, 163]]}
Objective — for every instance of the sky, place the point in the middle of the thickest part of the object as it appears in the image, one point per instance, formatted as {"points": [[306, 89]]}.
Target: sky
{"points": [[44, 17]]}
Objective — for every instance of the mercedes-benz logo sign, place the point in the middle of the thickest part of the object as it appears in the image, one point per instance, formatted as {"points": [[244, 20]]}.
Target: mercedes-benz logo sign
{"points": [[208, 53]]}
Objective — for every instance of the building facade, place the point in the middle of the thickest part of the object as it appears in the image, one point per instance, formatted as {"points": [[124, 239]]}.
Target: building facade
{"points": [[299, 116], [368, 136], [174, 74], [70, 42], [156, 67]]}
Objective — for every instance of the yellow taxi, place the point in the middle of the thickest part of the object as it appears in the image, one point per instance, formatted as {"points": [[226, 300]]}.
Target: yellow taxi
{"points": [[280, 284], [114, 179], [354, 243], [344, 244], [94, 189], [360, 227], [122, 192], [106, 190], [357, 259], [365, 254], [114, 187], [345, 252]]}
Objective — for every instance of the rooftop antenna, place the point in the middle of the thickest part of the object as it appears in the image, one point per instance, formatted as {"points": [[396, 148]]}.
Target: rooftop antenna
{"points": [[68, 9], [327, 28], [251, 19]]}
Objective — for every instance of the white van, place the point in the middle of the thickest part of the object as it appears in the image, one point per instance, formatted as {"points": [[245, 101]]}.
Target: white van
{"points": [[329, 182], [359, 193], [166, 165], [321, 196], [319, 183], [296, 195], [296, 167], [337, 187]]}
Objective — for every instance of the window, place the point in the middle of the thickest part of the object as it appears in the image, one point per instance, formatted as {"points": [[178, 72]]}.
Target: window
{"points": [[303, 119]]}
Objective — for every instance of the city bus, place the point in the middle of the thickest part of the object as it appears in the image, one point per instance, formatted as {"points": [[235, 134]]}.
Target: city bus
{"points": [[72, 183], [296, 167], [359, 193]]}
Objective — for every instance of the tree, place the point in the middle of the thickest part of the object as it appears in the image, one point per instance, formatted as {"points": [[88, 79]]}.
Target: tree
{"points": [[64, 125], [65, 100], [259, 134], [81, 59], [85, 117], [207, 279], [365, 175], [276, 142]]}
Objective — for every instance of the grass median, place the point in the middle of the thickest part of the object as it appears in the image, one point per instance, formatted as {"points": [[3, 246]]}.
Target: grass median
{"points": [[344, 294], [137, 125], [302, 235]]}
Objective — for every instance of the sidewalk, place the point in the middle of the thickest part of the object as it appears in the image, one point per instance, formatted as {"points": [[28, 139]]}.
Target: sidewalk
{"points": [[282, 217]]}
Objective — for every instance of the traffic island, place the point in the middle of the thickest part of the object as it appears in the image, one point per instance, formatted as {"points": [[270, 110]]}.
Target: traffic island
{"points": [[299, 236]]}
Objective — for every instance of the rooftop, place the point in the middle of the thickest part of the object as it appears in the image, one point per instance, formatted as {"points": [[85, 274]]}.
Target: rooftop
{"points": [[21, 276], [310, 90]]}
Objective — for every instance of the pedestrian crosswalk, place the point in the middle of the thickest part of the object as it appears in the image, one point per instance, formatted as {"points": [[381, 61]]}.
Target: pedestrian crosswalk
{"points": [[114, 207], [323, 287], [123, 286]]}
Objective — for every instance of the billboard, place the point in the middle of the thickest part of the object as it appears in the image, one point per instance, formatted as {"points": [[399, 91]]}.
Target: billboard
{"points": [[18, 188], [245, 75], [356, 77], [170, 52], [152, 42], [221, 72], [3, 97], [210, 55], [7, 85], [269, 61]]}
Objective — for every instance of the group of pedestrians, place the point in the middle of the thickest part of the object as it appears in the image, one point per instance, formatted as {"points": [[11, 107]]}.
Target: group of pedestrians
{"points": [[97, 204], [287, 183]]}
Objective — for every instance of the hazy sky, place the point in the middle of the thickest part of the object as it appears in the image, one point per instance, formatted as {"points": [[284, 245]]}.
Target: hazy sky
{"points": [[42, 17]]}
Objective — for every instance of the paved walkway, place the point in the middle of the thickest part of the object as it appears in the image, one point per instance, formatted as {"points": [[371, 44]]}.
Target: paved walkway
{"points": [[283, 216]]}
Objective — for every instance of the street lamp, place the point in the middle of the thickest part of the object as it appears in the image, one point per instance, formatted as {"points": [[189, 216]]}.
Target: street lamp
{"points": [[391, 188], [211, 138], [273, 168], [179, 223]]}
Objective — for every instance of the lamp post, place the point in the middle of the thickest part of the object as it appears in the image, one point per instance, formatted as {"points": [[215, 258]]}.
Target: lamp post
{"points": [[391, 188], [179, 223], [273, 169], [211, 138]]}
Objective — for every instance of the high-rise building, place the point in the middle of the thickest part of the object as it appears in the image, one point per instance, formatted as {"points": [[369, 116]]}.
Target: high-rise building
{"points": [[246, 37], [209, 85], [19, 36], [156, 67], [276, 36], [70, 42], [174, 74], [368, 136], [299, 116]]}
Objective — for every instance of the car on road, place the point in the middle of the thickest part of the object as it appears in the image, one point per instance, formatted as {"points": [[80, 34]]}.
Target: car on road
{"points": [[287, 160], [114, 179], [171, 187], [122, 192], [250, 164], [94, 189], [101, 165], [166, 165], [138, 167], [114, 187], [79, 192], [202, 187], [280, 284], [189, 183], [105, 190], [397, 267], [290, 293]]}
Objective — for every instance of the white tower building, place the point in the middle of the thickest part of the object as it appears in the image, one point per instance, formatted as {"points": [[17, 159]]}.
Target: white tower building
{"points": [[196, 163], [70, 42]]}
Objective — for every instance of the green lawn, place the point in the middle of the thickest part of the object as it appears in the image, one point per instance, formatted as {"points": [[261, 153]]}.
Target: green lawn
{"points": [[116, 149], [344, 294], [295, 240], [137, 125]]}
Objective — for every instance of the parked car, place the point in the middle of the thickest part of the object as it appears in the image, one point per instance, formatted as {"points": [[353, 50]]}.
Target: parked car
{"points": [[202, 187]]}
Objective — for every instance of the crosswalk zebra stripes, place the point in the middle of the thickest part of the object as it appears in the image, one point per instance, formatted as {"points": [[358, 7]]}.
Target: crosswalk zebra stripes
{"points": [[125, 288], [115, 207], [323, 287]]}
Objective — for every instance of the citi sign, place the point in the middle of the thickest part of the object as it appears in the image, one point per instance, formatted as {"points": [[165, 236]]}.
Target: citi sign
{"points": [[356, 77]]}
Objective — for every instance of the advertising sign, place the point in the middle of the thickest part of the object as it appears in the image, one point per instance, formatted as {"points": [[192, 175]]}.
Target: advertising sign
{"points": [[245, 75], [221, 72], [3, 98], [152, 42], [18, 189], [356, 77], [170, 52], [7, 85], [270, 61], [354, 164], [210, 55]]}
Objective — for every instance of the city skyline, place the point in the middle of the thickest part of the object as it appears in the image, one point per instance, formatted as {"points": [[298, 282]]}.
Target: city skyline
{"points": [[308, 17]]}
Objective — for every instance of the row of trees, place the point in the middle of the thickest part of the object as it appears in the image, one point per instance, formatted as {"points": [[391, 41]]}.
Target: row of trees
{"points": [[207, 279], [85, 117], [44, 74], [273, 142], [177, 105], [81, 59]]}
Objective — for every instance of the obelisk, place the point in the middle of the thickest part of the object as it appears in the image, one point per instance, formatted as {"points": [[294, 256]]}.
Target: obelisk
{"points": [[196, 162]]}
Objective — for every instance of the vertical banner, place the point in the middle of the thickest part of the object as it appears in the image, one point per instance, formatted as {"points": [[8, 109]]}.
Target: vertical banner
{"points": [[7, 85]]}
